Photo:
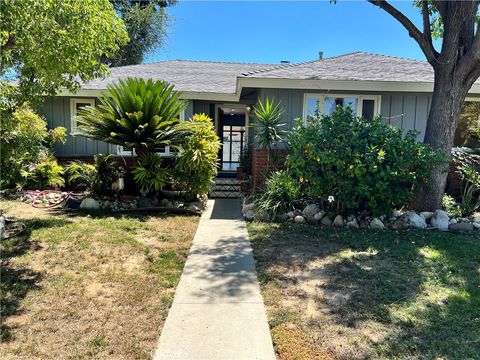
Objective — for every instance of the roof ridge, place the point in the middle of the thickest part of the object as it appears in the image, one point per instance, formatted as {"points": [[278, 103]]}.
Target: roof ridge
{"points": [[392, 57], [194, 61]]}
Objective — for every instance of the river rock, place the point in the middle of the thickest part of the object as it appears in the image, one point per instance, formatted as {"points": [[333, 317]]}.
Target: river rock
{"points": [[400, 225], [352, 223], [427, 215], [376, 223], [440, 220], [338, 221], [310, 211], [319, 215], [326, 221], [299, 219], [89, 204], [414, 220]]}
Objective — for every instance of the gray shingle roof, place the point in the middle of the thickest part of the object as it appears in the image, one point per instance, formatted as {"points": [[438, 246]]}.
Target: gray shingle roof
{"points": [[357, 66], [221, 77], [187, 76]]}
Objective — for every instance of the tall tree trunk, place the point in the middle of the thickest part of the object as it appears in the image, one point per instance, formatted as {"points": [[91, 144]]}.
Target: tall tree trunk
{"points": [[446, 107]]}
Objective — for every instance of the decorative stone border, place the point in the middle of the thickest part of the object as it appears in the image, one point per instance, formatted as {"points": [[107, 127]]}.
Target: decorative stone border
{"points": [[400, 220]]}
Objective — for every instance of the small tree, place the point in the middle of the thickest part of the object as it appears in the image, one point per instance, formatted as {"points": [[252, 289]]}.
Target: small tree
{"points": [[136, 114], [268, 126]]}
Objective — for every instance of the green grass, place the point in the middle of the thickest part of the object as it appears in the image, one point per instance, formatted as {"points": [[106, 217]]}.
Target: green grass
{"points": [[373, 294], [88, 286]]}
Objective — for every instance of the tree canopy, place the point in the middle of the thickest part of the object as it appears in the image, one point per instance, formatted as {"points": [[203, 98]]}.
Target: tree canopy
{"points": [[146, 22], [47, 45]]}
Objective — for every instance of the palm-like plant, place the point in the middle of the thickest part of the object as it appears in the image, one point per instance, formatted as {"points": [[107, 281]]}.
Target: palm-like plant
{"points": [[136, 114], [269, 128]]}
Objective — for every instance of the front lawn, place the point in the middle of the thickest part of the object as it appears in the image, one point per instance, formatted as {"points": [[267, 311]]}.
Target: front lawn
{"points": [[348, 294], [82, 286]]}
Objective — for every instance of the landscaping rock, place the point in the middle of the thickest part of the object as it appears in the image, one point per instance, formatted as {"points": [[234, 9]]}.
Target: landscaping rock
{"points": [[452, 221], [427, 215], [193, 208], [89, 204], [397, 213], [299, 219], [166, 203], [463, 226], [297, 212], [440, 220], [414, 220], [338, 221], [248, 207], [249, 215], [353, 223], [290, 214], [376, 223], [400, 225], [310, 211], [326, 221], [319, 215], [476, 225]]}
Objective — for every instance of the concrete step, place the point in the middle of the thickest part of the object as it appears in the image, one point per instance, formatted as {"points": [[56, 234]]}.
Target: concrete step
{"points": [[225, 188]]}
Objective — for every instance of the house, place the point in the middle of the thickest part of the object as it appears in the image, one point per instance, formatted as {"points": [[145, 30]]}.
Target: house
{"points": [[398, 89]]}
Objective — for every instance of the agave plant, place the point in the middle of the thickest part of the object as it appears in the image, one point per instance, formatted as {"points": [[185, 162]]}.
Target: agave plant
{"points": [[135, 113], [269, 128]]}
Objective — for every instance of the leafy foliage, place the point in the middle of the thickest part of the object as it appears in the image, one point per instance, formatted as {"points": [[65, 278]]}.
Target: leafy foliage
{"points": [[268, 126], [53, 44], [196, 161], [136, 114], [451, 206], [362, 164], [246, 159], [80, 175], [468, 169], [146, 22], [25, 141], [280, 195], [44, 174], [108, 172], [149, 174]]}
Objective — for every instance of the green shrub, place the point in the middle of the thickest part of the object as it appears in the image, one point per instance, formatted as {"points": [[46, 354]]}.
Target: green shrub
{"points": [[196, 161], [468, 169], [357, 164], [108, 172], [246, 160], [149, 174], [80, 176], [280, 195], [451, 207], [44, 174], [25, 141]]}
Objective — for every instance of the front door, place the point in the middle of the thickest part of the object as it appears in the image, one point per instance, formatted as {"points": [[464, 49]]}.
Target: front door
{"points": [[232, 133]]}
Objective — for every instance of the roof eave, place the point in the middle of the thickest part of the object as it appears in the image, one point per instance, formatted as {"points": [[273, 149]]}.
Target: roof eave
{"points": [[348, 85]]}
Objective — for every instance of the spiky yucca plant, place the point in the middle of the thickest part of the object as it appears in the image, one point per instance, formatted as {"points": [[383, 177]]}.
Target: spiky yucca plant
{"points": [[135, 113]]}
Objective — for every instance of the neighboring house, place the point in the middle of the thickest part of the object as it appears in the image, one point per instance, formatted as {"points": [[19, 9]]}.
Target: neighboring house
{"points": [[398, 89]]}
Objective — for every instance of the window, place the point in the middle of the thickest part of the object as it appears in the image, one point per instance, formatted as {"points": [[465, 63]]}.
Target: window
{"points": [[162, 150], [75, 105], [366, 106]]}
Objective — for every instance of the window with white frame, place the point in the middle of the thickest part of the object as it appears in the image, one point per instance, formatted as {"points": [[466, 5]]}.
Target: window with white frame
{"points": [[162, 150], [367, 106], [75, 105]]}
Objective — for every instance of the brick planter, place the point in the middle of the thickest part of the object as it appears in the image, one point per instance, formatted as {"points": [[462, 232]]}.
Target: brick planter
{"points": [[259, 164]]}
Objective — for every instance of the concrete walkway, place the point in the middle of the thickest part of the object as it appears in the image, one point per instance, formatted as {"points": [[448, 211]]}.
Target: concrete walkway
{"points": [[218, 312]]}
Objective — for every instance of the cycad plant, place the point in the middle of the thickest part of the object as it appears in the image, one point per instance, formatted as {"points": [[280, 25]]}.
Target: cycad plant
{"points": [[149, 174], [268, 126], [135, 113]]}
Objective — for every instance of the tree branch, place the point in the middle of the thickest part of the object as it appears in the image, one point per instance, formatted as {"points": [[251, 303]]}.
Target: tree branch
{"points": [[413, 31], [10, 43], [427, 32]]}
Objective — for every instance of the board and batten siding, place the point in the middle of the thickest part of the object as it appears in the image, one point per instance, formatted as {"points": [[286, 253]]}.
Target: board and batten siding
{"points": [[408, 111], [56, 110]]}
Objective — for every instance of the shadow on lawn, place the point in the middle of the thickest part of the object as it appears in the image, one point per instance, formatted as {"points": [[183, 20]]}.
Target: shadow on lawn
{"points": [[18, 280], [385, 277]]}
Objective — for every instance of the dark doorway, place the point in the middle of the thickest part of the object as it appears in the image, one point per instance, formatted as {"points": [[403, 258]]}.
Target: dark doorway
{"points": [[231, 128]]}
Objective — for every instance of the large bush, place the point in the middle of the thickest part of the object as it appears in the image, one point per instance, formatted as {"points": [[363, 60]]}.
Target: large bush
{"points": [[351, 164], [25, 141], [196, 161]]}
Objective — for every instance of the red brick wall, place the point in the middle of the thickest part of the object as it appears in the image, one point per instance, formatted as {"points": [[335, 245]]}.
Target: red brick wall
{"points": [[259, 164]]}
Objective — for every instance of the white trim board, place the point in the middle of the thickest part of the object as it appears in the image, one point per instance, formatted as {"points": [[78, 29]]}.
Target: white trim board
{"points": [[73, 112]]}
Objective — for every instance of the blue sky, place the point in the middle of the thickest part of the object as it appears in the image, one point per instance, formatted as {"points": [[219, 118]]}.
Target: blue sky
{"points": [[271, 31]]}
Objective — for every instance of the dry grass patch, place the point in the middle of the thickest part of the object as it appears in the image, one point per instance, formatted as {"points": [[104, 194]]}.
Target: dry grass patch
{"points": [[361, 294], [96, 286]]}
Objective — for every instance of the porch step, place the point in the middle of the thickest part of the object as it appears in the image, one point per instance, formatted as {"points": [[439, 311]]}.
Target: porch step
{"points": [[225, 188]]}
